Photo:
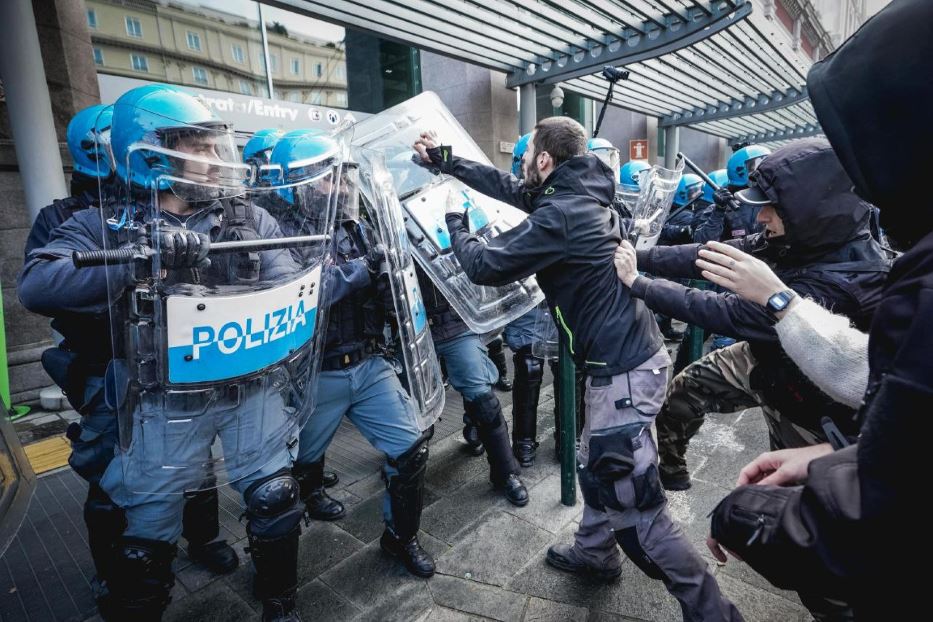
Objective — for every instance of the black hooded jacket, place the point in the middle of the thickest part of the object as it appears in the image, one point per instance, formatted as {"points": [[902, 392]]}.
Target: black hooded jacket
{"points": [[855, 528], [827, 254], [568, 241]]}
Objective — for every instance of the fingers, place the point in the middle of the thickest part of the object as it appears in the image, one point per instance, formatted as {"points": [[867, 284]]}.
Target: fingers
{"points": [[754, 470], [718, 280], [626, 245], [728, 250], [714, 268], [716, 550]]}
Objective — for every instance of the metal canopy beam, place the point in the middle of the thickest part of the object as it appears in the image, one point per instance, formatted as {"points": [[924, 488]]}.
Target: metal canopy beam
{"points": [[788, 133], [736, 108], [631, 45]]}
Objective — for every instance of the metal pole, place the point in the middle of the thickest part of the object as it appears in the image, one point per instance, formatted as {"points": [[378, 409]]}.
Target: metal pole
{"points": [[265, 51], [671, 145], [528, 98], [29, 106], [568, 423]]}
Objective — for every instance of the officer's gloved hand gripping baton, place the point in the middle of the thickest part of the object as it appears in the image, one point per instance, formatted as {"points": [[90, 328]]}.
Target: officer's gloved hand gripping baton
{"points": [[733, 204], [144, 251]]}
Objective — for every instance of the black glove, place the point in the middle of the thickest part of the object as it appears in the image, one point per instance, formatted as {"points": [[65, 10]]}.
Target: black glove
{"points": [[182, 248], [376, 260], [441, 159], [724, 200]]}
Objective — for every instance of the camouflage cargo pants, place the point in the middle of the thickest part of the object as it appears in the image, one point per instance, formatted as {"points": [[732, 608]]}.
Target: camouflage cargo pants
{"points": [[717, 383]]}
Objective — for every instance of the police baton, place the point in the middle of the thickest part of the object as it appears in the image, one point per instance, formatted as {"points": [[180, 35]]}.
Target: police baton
{"points": [[129, 254], [696, 169]]}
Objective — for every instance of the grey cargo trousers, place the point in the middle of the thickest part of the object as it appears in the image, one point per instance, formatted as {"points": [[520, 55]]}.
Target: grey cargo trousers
{"points": [[625, 505]]}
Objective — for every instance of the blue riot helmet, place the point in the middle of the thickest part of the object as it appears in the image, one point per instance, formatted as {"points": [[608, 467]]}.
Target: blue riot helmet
{"points": [[165, 138], [518, 152], [630, 172], [257, 149], [302, 155], [605, 151], [689, 188], [88, 137], [743, 162], [721, 178]]}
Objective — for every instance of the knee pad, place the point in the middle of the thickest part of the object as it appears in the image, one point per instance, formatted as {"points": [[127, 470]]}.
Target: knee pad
{"points": [[272, 505], [631, 546], [528, 366], [415, 459], [484, 410]]}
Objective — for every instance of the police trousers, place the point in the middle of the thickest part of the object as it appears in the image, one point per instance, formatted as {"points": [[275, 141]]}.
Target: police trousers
{"points": [[170, 452], [718, 383], [373, 399], [625, 505]]}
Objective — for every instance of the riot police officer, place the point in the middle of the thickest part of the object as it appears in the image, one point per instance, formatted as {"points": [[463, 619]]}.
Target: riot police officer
{"points": [[176, 184], [359, 379], [727, 218]]}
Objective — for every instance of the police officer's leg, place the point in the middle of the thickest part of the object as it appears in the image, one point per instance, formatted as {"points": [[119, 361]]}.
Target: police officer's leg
{"points": [[92, 445], [385, 415], [472, 374], [623, 458], [497, 356], [201, 527], [333, 401], [529, 370], [142, 576], [271, 496], [717, 383]]}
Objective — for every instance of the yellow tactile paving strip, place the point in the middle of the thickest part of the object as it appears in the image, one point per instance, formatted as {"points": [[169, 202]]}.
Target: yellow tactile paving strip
{"points": [[48, 454]]}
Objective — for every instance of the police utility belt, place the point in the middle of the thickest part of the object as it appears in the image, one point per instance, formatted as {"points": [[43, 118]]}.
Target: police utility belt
{"points": [[349, 359]]}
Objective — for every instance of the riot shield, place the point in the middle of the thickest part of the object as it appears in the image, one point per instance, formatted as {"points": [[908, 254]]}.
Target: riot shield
{"points": [[657, 187], [547, 344], [423, 197], [416, 347], [215, 353]]}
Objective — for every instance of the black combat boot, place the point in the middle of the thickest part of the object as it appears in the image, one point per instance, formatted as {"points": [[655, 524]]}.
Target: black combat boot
{"points": [[318, 504], [140, 581], [528, 373], [486, 411], [406, 497], [497, 356], [200, 527]]}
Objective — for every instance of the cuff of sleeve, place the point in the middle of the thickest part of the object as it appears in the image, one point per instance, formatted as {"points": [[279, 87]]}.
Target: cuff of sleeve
{"points": [[455, 222], [643, 259], [442, 157], [640, 286]]}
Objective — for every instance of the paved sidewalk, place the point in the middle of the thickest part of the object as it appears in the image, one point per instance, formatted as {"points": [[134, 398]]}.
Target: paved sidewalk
{"points": [[490, 555]]}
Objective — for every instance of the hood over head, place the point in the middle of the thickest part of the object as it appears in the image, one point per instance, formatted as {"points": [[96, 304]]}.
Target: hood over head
{"points": [[872, 97], [581, 175], [812, 194]]}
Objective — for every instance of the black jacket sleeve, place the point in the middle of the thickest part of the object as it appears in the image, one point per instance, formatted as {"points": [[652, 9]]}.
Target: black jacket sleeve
{"points": [[483, 178], [725, 314], [674, 262], [536, 243]]}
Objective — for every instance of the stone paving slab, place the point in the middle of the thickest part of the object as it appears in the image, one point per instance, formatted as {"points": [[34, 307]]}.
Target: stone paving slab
{"points": [[471, 597]]}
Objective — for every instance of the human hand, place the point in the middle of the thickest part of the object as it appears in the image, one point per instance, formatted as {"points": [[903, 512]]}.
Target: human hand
{"points": [[786, 467], [427, 140], [626, 264], [719, 553], [747, 276], [182, 248], [724, 199], [376, 260]]}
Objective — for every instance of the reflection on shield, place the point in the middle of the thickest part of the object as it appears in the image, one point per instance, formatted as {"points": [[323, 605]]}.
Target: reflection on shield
{"points": [[657, 187], [424, 197], [214, 362]]}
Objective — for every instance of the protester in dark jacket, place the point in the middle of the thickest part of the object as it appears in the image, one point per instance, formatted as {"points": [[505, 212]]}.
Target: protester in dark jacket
{"points": [[568, 240], [853, 529]]}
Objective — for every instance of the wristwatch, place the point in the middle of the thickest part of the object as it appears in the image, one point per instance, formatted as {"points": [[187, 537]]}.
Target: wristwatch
{"points": [[779, 301]]}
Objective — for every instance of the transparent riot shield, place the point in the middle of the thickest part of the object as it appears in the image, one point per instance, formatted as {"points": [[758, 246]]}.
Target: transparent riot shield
{"points": [[216, 346], [657, 187], [627, 195], [424, 197], [546, 344], [422, 369]]}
